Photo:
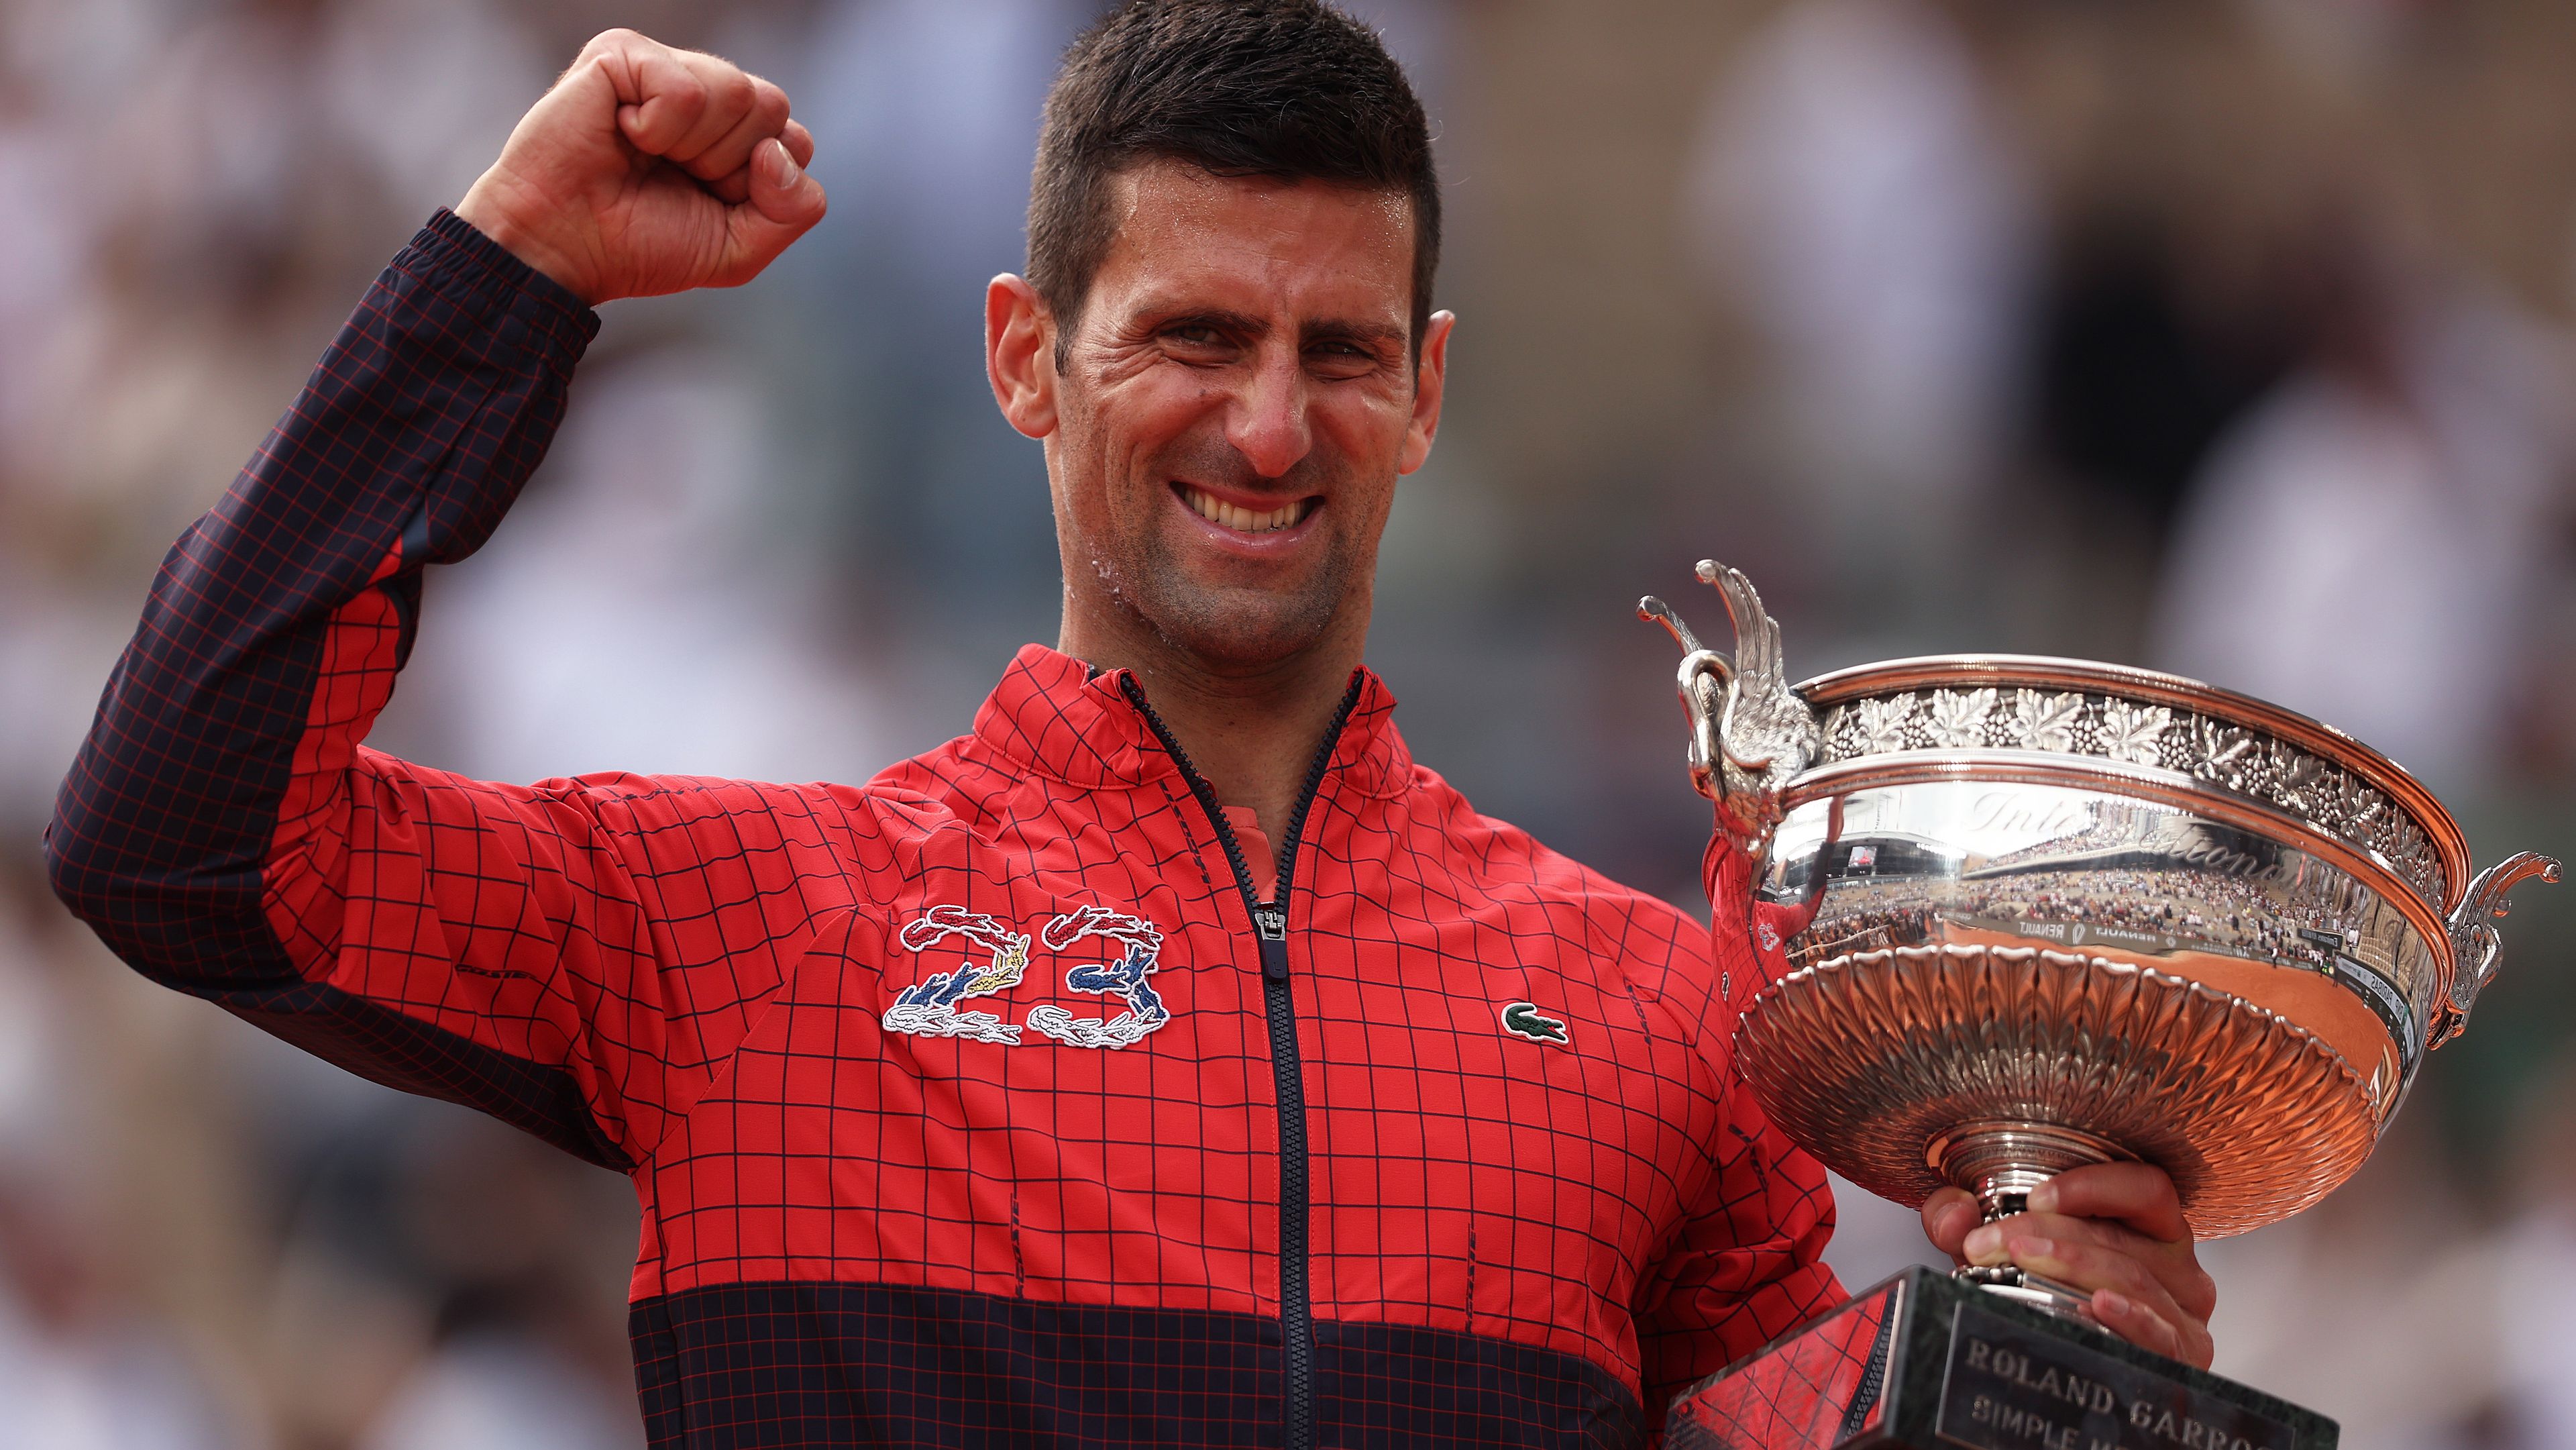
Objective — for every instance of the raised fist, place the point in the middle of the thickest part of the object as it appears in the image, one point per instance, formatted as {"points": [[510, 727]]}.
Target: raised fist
{"points": [[649, 170]]}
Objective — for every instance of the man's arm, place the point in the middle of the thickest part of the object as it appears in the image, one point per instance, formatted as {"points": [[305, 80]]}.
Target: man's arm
{"points": [[555, 955], [1747, 1265]]}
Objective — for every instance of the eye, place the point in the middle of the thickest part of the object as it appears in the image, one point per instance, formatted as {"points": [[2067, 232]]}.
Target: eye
{"points": [[1198, 344], [1340, 359]]}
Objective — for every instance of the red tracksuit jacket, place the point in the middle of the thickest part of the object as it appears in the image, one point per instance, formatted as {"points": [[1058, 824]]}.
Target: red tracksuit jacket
{"points": [[985, 1101]]}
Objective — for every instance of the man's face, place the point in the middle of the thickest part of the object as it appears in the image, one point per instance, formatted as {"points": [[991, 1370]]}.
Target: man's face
{"points": [[1235, 405]]}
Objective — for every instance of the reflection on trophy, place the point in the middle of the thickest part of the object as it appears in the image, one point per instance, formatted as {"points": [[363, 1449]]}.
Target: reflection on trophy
{"points": [[2058, 913]]}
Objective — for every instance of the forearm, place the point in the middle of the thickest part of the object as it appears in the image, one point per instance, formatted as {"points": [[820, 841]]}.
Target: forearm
{"points": [[1745, 1268], [273, 630], [1747, 1263]]}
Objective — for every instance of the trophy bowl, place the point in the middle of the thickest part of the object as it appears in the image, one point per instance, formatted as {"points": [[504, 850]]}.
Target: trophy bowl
{"points": [[2051, 912]]}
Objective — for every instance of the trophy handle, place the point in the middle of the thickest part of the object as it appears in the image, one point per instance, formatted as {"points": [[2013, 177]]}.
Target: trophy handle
{"points": [[1704, 675], [1750, 732], [2475, 943]]}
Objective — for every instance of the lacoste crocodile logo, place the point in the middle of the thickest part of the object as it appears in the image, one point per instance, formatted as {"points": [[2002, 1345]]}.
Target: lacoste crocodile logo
{"points": [[1523, 1019]]}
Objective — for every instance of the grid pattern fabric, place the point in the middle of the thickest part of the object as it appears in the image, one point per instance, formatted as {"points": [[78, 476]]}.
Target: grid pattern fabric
{"points": [[949, 1098], [1821, 1387]]}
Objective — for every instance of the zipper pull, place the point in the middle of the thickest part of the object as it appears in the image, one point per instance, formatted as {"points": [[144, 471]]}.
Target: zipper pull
{"points": [[1272, 923]]}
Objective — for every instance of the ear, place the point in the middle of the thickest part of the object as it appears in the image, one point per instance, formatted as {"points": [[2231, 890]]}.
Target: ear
{"points": [[1429, 377], [1019, 354]]}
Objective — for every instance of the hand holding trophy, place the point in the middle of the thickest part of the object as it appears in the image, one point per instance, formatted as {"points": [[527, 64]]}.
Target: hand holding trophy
{"points": [[2063, 913]]}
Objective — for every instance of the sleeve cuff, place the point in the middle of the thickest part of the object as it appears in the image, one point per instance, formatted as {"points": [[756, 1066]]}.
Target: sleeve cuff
{"points": [[450, 254]]}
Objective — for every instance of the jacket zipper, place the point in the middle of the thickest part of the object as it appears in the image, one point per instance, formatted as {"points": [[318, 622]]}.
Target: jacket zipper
{"points": [[1270, 931]]}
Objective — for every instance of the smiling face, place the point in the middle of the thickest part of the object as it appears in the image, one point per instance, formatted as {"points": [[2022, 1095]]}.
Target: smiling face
{"points": [[1233, 407]]}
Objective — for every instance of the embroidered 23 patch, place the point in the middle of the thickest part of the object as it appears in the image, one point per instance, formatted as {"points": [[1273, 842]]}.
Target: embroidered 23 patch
{"points": [[930, 1007]]}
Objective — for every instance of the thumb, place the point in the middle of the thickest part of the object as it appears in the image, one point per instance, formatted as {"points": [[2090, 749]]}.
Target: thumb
{"points": [[1948, 1215], [784, 204]]}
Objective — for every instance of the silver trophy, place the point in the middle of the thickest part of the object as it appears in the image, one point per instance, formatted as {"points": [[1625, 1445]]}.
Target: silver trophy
{"points": [[2059, 912]]}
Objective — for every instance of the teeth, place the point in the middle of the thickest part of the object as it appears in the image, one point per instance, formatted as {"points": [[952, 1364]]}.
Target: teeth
{"points": [[1217, 511]]}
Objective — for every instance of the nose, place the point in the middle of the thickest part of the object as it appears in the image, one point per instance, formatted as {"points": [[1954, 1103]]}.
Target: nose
{"points": [[1268, 420]]}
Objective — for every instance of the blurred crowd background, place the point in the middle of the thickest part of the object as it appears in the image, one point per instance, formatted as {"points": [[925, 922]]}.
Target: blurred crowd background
{"points": [[2227, 336]]}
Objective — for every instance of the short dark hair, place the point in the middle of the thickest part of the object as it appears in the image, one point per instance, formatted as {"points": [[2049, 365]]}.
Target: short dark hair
{"points": [[1290, 89]]}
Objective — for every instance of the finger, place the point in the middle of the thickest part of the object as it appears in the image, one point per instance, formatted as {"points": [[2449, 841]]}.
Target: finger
{"points": [[2139, 1309], [782, 191], [2137, 1194], [763, 118], [2174, 1266], [731, 96], [2101, 1233], [2147, 1329], [735, 187], [661, 98], [1948, 1216], [2095, 1269], [785, 203]]}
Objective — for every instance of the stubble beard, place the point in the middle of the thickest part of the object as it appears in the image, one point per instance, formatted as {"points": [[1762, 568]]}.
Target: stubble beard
{"points": [[1227, 628], [1139, 558]]}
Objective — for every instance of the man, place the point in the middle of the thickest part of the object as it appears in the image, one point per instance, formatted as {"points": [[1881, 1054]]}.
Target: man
{"points": [[1170, 1058]]}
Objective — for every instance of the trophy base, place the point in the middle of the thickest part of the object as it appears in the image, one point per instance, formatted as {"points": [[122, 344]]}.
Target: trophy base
{"points": [[1928, 1362]]}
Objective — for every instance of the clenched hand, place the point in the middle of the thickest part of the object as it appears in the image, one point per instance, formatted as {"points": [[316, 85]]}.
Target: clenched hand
{"points": [[649, 170]]}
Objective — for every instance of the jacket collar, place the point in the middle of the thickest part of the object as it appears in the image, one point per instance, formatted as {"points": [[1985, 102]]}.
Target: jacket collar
{"points": [[1053, 716]]}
